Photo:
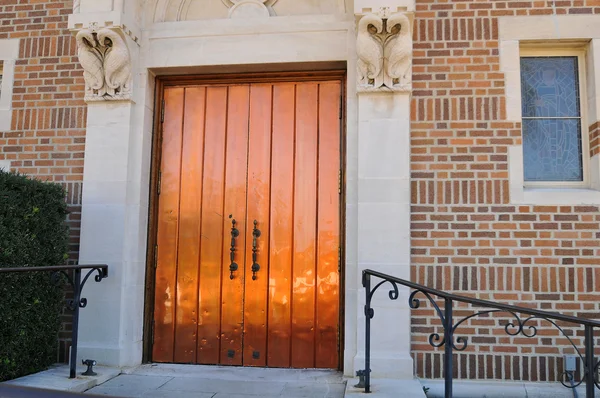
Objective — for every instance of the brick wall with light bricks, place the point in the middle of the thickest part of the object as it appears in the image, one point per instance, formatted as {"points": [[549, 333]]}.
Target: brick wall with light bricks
{"points": [[47, 136], [466, 236]]}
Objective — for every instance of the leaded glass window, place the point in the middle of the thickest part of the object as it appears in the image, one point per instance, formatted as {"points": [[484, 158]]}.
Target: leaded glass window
{"points": [[552, 146]]}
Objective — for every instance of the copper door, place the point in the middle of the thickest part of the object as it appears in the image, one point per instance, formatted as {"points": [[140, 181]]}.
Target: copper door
{"points": [[248, 226]]}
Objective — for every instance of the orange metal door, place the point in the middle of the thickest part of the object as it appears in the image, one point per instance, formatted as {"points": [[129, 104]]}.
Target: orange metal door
{"points": [[248, 226]]}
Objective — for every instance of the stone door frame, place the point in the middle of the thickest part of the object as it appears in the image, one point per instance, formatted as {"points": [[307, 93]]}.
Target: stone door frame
{"points": [[118, 157]]}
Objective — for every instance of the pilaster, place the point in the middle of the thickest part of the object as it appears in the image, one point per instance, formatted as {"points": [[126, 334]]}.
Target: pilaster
{"points": [[115, 196], [384, 85]]}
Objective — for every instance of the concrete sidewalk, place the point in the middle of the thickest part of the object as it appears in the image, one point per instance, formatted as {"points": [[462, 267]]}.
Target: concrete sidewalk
{"points": [[195, 381]]}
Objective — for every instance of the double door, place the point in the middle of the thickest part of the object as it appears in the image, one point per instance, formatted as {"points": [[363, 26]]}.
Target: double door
{"points": [[248, 240]]}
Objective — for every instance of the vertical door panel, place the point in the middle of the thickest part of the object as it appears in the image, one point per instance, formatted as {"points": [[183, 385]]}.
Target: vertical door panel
{"points": [[259, 172], [232, 312], [305, 221], [328, 299], [280, 248], [211, 242], [168, 221], [186, 309]]}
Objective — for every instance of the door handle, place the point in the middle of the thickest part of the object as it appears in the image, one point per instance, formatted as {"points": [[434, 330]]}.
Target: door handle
{"points": [[234, 234], [255, 236]]}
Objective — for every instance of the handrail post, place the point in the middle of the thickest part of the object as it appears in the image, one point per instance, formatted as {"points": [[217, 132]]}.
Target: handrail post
{"points": [[75, 326], [448, 336], [367, 285], [589, 361]]}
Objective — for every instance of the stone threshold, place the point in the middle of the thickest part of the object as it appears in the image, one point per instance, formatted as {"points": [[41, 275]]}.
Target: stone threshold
{"points": [[57, 378]]}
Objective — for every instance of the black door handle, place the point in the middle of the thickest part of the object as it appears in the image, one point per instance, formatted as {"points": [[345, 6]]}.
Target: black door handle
{"points": [[255, 236], [234, 234]]}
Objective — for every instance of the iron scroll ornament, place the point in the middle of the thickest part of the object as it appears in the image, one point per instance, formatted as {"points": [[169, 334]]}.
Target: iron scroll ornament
{"points": [[58, 276], [520, 325], [516, 327]]}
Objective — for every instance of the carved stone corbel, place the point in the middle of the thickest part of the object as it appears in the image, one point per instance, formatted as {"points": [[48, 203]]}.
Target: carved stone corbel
{"points": [[384, 49], [106, 62]]}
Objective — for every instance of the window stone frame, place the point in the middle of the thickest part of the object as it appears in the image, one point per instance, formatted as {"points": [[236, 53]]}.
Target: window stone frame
{"points": [[9, 52], [548, 33]]}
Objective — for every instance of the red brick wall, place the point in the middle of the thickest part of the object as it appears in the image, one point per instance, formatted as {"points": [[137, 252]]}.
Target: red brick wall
{"points": [[466, 237], [47, 136], [594, 139]]}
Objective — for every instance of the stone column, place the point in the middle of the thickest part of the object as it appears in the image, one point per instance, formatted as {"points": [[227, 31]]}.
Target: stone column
{"points": [[115, 193], [384, 72]]}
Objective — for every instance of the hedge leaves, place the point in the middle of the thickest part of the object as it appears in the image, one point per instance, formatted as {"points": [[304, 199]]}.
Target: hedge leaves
{"points": [[33, 233]]}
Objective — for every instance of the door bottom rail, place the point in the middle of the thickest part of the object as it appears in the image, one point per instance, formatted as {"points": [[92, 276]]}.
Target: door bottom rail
{"points": [[521, 321]]}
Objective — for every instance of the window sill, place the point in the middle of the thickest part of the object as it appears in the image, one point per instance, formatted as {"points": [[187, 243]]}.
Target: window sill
{"points": [[557, 196], [544, 196]]}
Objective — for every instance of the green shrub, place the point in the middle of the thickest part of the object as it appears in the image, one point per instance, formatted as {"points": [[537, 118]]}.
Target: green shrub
{"points": [[33, 232]]}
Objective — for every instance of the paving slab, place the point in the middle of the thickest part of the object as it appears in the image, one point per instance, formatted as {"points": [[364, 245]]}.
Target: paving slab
{"points": [[502, 389], [178, 394], [116, 392], [57, 378], [264, 388], [387, 388], [135, 382], [304, 390]]}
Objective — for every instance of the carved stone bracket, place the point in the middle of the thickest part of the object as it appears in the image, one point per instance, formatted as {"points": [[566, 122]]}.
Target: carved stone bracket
{"points": [[384, 49], [250, 8], [106, 62]]}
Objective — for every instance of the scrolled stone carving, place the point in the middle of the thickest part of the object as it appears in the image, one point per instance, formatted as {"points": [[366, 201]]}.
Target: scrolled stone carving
{"points": [[370, 52], [106, 63], [384, 48], [399, 53], [76, 6]]}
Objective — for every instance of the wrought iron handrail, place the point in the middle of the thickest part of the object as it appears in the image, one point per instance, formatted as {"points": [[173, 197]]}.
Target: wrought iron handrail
{"points": [[74, 304], [512, 328]]}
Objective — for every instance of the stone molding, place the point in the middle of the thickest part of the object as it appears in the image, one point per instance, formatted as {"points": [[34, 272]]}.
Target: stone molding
{"points": [[106, 62], [250, 8], [111, 14], [365, 6], [384, 49]]}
